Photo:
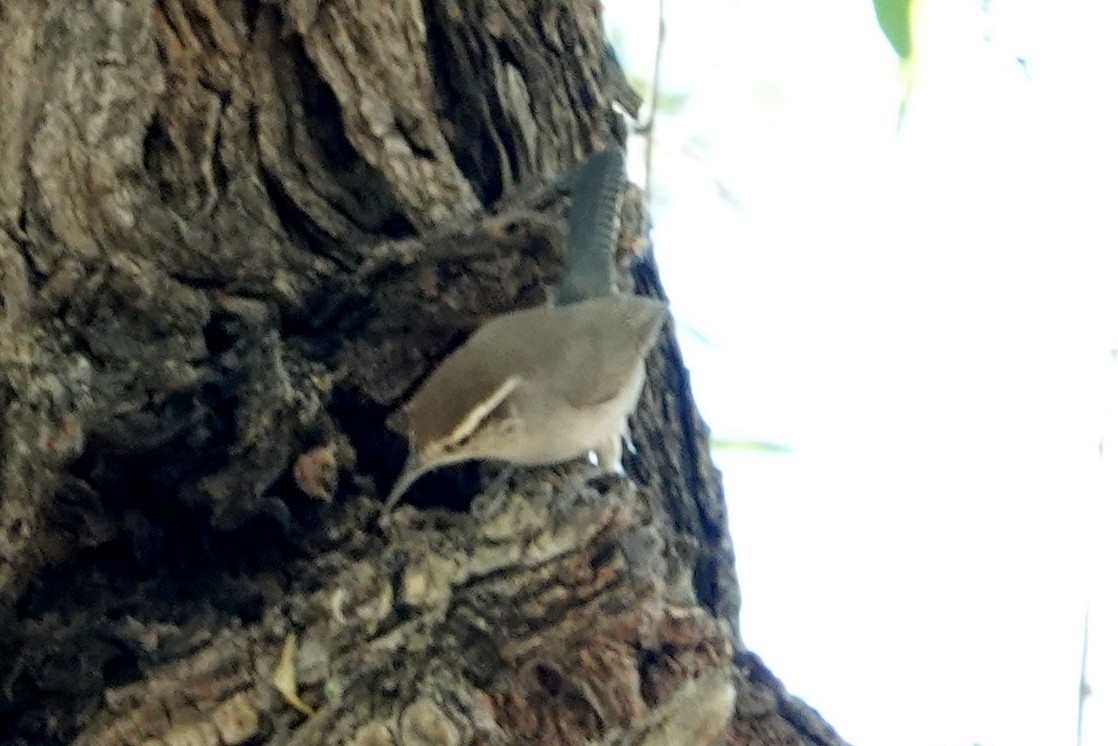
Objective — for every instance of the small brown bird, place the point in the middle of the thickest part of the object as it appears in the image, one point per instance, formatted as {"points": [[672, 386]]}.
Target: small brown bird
{"points": [[535, 387]]}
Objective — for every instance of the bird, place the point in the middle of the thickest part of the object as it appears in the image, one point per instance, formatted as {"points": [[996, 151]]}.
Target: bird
{"points": [[533, 387]]}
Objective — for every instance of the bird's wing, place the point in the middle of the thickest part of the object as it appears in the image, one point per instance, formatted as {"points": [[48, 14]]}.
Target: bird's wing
{"points": [[601, 358]]}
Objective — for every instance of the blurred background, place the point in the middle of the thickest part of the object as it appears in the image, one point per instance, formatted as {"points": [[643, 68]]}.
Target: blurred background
{"points": [[901, 332]]}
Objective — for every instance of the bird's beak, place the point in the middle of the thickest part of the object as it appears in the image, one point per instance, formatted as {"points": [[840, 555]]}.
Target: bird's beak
{"points": [[413, 470]]}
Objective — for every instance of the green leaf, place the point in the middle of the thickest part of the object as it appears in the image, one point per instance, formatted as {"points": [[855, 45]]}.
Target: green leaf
{"points": [[670, 102], [893, 17], [739, 444], [673, 102]]}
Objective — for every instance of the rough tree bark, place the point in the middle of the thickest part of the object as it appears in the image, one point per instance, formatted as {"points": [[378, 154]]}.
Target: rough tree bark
{"points": [[234, 235]]}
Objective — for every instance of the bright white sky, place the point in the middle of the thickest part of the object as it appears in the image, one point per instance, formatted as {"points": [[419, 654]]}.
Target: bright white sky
{"points": [[926, 320]]}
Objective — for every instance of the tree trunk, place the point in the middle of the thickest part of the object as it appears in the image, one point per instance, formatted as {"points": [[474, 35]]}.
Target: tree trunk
{"points": [[234, 236]]}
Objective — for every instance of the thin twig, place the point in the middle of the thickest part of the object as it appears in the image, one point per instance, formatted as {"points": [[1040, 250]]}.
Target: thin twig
{"points": [[654, 104], [1084, 687]]}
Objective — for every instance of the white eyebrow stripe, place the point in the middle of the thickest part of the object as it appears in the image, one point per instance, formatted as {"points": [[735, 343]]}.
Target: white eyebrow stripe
{"points": [[470, 422]]}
